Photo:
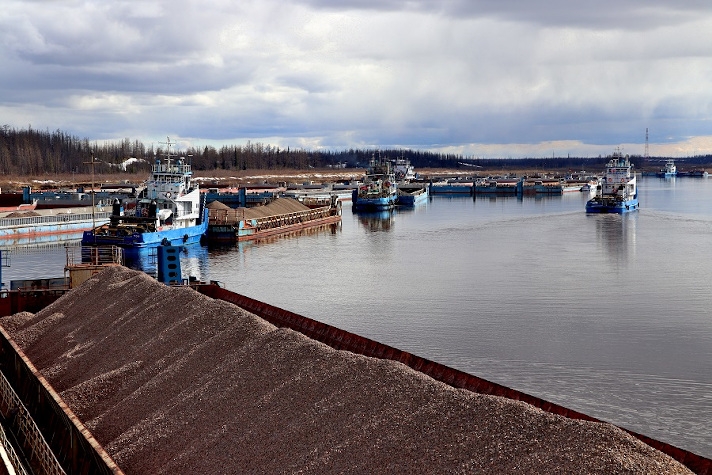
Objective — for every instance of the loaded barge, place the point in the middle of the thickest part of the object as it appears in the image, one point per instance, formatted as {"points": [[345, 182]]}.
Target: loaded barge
{"points": [[61, 442], [281, 216]]}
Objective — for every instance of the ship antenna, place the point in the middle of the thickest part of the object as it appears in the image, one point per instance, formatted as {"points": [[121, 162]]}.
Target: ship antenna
{"points": [[168, 144]]}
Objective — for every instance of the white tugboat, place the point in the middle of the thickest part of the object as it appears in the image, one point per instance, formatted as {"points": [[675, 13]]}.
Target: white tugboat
{"points": [[618, 190]]}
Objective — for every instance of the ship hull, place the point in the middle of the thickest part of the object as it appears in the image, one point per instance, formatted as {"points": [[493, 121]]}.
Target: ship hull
{"points": [[163, 237], [412, 198], [621, 207], [383, 203]]}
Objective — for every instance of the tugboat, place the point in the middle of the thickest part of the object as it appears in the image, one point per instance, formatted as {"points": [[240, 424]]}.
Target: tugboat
{"points": [[618, 190], [169, 213], [378, 192], [670, 169]]}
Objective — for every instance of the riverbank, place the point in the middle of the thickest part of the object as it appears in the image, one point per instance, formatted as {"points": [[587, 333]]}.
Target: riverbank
{"points": [[234, 178]]}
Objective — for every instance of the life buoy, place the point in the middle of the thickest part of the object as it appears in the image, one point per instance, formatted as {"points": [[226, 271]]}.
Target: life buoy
{"points": [[144, 212], [168, 194], [622, 180], [610, 179]]}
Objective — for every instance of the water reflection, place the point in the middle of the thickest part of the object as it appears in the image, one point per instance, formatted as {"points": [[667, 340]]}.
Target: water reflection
{"points": [[377, 221], [241, 246], [616, 234], [193, 262]]}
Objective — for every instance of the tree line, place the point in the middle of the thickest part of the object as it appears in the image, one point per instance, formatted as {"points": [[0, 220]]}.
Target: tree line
{"points": [[36, 152], [31, 152]]}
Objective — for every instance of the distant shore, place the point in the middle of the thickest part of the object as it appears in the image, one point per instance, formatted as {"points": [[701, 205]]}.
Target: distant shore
{"points": [[241, 177]]}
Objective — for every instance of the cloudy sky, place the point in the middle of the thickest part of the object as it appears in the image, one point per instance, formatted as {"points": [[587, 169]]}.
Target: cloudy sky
{"points": [[484, 78]]}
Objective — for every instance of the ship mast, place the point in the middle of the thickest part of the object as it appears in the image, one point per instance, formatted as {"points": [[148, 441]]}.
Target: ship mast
{"points": [[93, 203], [646, 156]]}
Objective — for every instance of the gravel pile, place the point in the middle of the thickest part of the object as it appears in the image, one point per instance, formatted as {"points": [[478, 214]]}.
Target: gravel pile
{"points": [[172, 382], [276, 207]]}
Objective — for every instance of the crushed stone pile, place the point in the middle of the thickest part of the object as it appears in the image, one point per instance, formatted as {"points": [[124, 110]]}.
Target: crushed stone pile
{"points": [[21, 214], [217, 205], [172, 382], [276, 207], [280, 206]]}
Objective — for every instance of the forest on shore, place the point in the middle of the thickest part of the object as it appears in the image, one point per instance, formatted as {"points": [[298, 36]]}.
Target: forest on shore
{"points": [[31, 152]]}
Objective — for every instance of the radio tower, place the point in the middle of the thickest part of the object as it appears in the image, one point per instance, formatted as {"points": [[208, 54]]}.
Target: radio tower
{"points": [[646, 144]]}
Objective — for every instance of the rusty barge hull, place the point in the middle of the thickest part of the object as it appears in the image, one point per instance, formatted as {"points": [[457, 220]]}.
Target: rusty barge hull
{"points": [[233, 234]]}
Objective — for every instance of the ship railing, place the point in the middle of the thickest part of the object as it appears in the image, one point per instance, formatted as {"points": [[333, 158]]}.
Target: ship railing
{"points": [[52, 219], [233, 217], [171, 168], [30, 438], [278, 221], [94, 255], [11, 454]]}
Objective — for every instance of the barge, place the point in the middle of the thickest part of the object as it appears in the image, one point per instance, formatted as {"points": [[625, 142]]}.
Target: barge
{"points": [[498, 186], [283, 215], [411, 195], [451, 187], [70, 448], [27, 225]]}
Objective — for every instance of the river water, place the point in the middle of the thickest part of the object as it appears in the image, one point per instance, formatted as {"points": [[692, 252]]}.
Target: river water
{"points": [[605, 314]]}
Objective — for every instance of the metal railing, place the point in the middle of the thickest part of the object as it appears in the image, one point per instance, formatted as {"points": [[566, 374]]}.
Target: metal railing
{"points": [[26, 431]]}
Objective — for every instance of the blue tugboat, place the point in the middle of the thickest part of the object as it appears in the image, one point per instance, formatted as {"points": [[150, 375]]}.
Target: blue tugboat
{"points": [[670, 170], [618, 190], [378, 192], [170, 212]]}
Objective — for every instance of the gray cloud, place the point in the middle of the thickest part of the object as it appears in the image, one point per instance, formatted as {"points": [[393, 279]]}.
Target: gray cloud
{"points": [[462, 75]]}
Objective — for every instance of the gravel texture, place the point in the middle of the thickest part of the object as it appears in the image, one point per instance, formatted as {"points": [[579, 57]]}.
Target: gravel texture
{"points": [[172, 382]]}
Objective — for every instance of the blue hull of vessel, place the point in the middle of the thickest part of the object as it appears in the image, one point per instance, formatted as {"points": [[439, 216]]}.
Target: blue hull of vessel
{"points": [[618, 208], [451, 189], [173, 237], [373, 204], [412, 199]]}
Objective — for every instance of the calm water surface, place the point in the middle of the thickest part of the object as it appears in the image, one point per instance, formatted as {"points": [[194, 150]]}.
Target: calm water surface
{"points": [[606, 314]]}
